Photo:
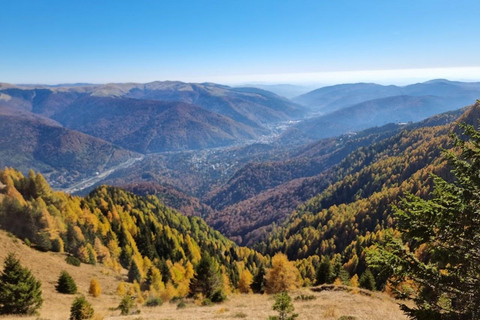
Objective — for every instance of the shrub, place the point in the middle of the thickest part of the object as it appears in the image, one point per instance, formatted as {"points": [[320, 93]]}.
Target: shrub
{"points": [[206, 302], [126, 305], [94, 289], [20, 292], [218, 296], [57, 245], [347, 318], [304, 297], [283, 304], [181, 305], [154, 302], [66, 284], [73, 261], [240, 315], [27, 242], [81, 309]]}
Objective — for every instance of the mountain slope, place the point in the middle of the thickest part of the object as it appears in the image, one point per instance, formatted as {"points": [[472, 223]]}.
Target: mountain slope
{"points": [[153, 126], [332, 98], [373, 113], [30, 141], [355, 212], [250, 106], [261, 194]]}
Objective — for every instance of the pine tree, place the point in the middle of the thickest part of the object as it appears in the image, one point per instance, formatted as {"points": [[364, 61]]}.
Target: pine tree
{"points": [[258, 284], [207, 279], [325, 272], [81, 309], [66, 284], [20, 292], [367, 280], [134, 273]]}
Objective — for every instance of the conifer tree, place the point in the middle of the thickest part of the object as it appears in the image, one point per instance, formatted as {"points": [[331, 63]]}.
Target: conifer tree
{"points": [[20, 292], [134, 273], [325, 272], [258, 284], [81, 309], [207, 279], [367, 280], [66, 284]]}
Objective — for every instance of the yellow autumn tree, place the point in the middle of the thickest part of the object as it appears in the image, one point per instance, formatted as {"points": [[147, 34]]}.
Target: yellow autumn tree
{"points": [[354, 283], [121, 289], [94, 289], [244, 281], [283, 275]]}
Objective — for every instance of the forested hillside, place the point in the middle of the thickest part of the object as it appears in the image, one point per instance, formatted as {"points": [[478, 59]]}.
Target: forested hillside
{"points": [[354, 213], [261, 194], [119, 229]]}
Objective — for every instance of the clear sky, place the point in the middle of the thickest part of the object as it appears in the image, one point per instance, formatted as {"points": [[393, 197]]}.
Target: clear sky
{"points": [[277, 41]]}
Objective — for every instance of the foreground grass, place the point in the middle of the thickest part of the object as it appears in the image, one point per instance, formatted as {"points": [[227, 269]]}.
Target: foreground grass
{"points": [[47, 267]]}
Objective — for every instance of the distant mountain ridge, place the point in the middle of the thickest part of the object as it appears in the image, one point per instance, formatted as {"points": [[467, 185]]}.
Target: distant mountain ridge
{"points": [[169, 115], [332, 98], [353, 107]]}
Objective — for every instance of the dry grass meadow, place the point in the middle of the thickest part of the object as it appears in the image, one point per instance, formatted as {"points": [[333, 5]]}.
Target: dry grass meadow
{"points": [[47, 267]]}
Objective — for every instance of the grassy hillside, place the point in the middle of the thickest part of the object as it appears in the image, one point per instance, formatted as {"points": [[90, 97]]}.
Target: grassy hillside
{"points": [[47, 267]]}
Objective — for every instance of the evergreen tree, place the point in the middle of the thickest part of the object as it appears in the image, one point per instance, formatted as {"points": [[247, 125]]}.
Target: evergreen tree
{"points": [[344, 277], [81, 309], [20, 292], [445, 229], [207, 279], [66, 284], [367, 280], [325, 272], [258, 284], [134, 273]]}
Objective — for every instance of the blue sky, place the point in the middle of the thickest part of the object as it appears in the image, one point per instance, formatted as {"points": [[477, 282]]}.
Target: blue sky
{"points": [[238, 41]]}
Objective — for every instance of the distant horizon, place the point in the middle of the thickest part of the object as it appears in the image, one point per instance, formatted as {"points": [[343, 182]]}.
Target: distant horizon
{"points": [[398, 77]]}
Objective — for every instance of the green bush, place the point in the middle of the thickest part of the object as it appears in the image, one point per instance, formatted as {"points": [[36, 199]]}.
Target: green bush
{"points": [[81, 309], [283, 304], [66, 284], [181, 305], [206, 302], [57, 245], [73, 261], [347, 318], [27, 242], [154, 302], [218, 296], [125, 305]]}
